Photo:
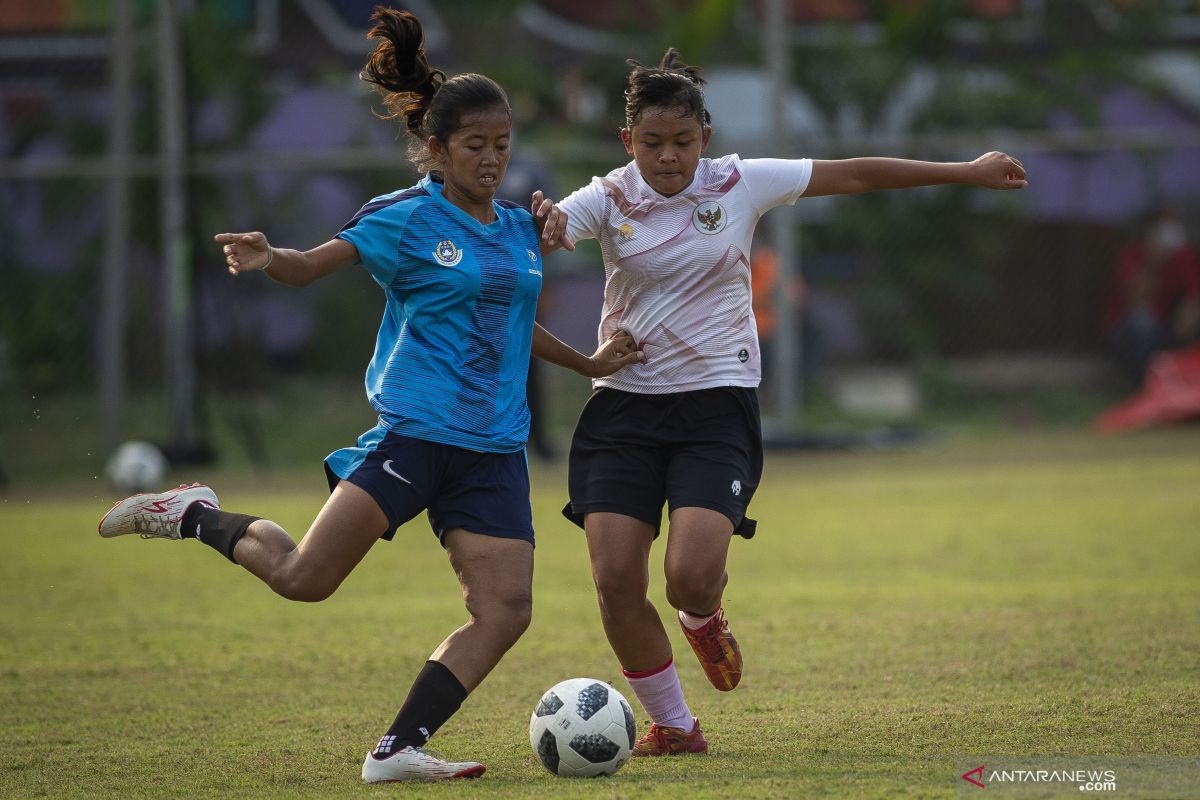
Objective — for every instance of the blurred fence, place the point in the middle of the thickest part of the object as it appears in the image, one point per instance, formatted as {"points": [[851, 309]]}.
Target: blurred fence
{"points": [[901, 278]]}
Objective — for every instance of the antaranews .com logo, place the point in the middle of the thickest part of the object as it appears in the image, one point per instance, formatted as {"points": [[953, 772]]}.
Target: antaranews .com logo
{"points": [[1177, 778], [1088, 780]]}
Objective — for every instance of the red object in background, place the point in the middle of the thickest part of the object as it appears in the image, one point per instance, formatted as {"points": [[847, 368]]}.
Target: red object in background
{"points": [[1171, 394], [1177, 279], [995, 8], [25, 16]]}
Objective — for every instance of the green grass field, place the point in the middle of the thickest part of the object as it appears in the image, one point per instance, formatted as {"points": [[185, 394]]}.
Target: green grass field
{"points": [[1034, 595]]}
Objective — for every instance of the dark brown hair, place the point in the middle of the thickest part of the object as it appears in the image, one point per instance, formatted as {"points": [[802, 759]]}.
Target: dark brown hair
{"points": [[672, 84], [429, 103]]}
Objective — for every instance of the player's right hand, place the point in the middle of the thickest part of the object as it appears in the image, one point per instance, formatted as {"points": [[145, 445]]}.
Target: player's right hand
{"points": [[618, 351], [245, 252]]}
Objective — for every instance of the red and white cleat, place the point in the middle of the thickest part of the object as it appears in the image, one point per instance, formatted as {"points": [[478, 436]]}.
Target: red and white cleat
{"points": [[717, 650], [155, 516], [662, 740]]}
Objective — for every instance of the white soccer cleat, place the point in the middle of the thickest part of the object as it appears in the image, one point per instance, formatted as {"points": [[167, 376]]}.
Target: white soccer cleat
{"points": [[155, 516], [417, 764]]}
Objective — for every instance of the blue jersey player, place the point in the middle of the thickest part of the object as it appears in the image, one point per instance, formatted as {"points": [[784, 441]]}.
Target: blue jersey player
{"points": [[461, 273]]}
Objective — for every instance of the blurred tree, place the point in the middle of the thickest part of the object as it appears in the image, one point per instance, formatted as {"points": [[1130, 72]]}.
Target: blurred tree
{"points": [[932, 254]]}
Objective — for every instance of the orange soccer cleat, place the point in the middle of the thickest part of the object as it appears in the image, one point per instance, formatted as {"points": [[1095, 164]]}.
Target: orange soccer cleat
{"points": [[661, 740], [717, 650]]}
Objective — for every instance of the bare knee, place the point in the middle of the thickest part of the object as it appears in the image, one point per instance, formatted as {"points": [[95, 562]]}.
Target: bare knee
{"points": [[619, 591], [695, 589], [296, 582], [506, 617]]}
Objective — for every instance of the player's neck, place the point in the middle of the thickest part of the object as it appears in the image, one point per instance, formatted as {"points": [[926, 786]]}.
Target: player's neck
{"points": [[481, 209]]}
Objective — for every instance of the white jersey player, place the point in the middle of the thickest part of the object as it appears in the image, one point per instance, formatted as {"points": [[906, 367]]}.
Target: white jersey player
{"points": [[683, 426]]}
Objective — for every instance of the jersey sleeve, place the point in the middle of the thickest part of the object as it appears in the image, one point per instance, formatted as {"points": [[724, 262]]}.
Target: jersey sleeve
{"points": [[585, 211], [775, 181], [376, 235]]}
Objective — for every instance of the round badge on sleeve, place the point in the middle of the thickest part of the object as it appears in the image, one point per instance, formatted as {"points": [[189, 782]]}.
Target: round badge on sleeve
{"points": [[710, 218], [743, 355]]}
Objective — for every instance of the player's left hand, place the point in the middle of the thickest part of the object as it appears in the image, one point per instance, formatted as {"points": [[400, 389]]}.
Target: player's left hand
{"points": [[551, 224], [997, 170], [619, 350]]}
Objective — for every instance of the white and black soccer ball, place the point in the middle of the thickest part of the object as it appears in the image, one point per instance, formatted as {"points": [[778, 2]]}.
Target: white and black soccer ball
{"points": [[136, 467], [582, 728]]}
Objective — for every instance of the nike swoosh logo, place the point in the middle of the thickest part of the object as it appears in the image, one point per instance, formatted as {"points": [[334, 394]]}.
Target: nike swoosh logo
{"points": [[387, 467]]}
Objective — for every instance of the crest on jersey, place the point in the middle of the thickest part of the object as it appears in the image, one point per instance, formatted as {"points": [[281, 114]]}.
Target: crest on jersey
{"points": [[447, 253], [710, 217]]}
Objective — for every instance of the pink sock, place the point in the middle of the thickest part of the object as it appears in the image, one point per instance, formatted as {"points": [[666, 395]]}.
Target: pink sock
{"points": [[695, 623], [659, 692]]}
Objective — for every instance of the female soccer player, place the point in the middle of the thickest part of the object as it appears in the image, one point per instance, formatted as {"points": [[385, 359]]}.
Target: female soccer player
{"points": [[461, 274], [683, 426]]}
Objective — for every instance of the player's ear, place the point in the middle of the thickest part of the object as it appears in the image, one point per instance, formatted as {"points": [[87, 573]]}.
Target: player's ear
{"points": [[705, 135], [435, 149], [627, 140]]}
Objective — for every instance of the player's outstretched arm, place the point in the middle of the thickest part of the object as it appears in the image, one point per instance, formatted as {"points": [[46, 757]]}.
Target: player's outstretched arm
{"points": [[551, 222], [619, 350], [250, 252], [993, 170]]}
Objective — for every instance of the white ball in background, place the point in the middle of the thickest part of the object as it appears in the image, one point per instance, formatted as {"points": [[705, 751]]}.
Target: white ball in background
{"points": [[136, 467]]}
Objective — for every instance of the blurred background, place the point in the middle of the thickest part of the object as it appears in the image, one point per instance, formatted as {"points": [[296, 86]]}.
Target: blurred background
{"points": [[132, 130]]}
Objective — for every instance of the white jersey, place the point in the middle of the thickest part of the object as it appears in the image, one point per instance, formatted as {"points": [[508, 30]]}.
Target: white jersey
{"points": [[677, 269]]}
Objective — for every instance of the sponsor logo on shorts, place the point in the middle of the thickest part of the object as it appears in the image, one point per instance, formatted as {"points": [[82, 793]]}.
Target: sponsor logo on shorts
{"points": [[736, 488], [387, 467]]}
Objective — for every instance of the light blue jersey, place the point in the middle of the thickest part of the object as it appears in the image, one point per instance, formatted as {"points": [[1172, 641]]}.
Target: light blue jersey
{"points": [[452, 354]]}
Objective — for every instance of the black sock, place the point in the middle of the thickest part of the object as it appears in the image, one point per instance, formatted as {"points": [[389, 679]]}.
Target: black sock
{"points": [[218, 529], [434, 697]]}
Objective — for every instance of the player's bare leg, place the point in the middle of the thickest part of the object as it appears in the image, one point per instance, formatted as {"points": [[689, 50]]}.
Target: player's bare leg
{"points": [[496, 576], [346, 527], [344, 530], [697, 550], [619, 547]]}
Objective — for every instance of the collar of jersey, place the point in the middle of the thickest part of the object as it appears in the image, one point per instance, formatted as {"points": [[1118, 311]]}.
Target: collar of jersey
{"points": [[653, 194], [435, 190]]}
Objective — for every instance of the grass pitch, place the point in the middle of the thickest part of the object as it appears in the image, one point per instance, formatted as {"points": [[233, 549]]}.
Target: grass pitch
{"points": [[898, 613]]}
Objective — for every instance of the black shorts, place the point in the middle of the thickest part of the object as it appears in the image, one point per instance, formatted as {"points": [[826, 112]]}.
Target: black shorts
{"points": [[633, 452], [486, 493]]}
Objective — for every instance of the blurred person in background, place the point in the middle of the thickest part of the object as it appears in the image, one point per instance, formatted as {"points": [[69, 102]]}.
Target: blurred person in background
{"points": [[764, 283], [1153, 299], [461, 273], [683, 427]]}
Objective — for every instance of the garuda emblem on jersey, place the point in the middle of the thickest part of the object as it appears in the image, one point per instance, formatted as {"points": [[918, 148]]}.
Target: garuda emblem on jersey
{"points": [[447, 253], [709, 218]]}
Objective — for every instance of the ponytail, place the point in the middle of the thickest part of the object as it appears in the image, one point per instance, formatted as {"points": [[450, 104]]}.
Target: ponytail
{"points": [[428, 103], [399, 69]]}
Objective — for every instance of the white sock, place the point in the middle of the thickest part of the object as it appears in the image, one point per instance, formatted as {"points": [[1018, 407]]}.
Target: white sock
{"points": [[695, 623], [659, 692]]}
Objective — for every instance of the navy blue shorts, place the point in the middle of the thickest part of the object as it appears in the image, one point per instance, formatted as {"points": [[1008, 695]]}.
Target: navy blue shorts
{"points": [[486, 493]]}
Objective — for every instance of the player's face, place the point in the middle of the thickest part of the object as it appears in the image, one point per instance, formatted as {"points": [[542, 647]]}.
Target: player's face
{"points": [[475, 156], [666, 147]]}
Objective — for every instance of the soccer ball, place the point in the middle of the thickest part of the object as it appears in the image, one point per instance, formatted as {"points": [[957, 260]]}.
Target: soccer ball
{"points": [[136, 467], [582, 728]]}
